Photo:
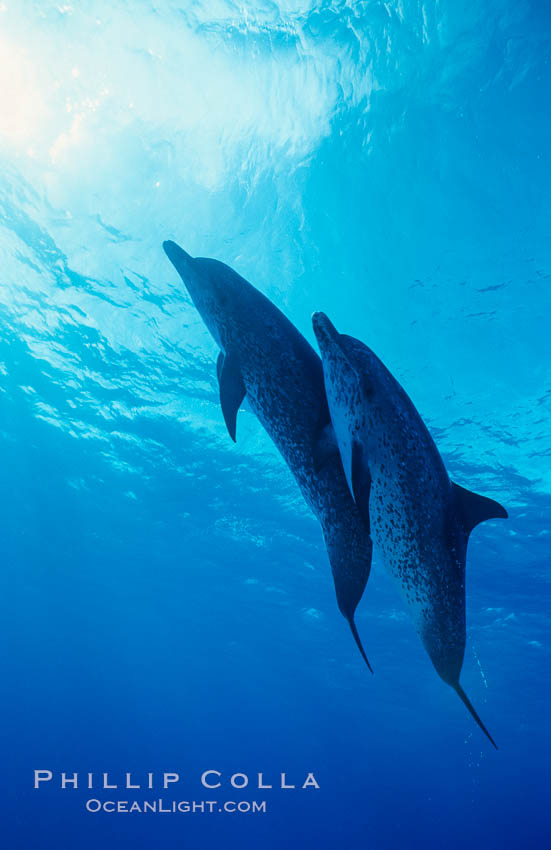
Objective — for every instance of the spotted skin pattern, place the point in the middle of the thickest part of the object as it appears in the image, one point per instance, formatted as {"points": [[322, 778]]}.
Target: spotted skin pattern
{"points": [[412, 506], [283, 380]]}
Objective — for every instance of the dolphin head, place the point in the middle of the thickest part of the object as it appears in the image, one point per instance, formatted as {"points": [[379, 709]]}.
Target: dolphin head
{"points": [[338, 356], [332, 349], [336, 346], [325, 331], [215, 289], [345, 358]]}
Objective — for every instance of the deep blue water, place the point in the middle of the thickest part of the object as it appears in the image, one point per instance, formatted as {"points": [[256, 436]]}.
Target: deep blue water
{"points": [[166, 597]]}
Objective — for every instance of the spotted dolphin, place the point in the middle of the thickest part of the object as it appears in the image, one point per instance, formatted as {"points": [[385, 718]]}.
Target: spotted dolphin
{"points": [[265, 358], [420, 520]]}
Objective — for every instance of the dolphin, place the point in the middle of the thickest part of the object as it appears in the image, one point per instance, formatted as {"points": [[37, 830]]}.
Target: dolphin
{"points": [[419, 519], [265, 358]]}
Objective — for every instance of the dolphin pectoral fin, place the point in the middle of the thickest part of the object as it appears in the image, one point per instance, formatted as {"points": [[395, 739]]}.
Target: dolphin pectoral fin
{"points": [[232, 390], [473, 508], [466, 701], [356, 637], [219, 365], [361, 482], [325, 447], [356, 472]]}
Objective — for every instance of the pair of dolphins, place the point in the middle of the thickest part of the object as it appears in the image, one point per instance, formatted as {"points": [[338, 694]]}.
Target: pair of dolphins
{"points": [[359, 450]]}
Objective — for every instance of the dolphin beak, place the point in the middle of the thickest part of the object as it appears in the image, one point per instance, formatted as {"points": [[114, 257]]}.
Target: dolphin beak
{"points": [[181, 261], [325, 331]]}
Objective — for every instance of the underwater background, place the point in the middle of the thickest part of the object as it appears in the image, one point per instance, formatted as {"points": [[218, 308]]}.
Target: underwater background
{"points": [[166, 599]]}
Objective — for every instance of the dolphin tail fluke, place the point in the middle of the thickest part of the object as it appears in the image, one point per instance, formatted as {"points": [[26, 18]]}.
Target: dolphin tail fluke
{"points": [[466, 701], [356, 637]]}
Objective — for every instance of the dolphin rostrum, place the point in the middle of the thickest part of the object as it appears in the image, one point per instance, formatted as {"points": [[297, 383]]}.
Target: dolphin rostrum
{"points": [[264, 357], [419, 519]]}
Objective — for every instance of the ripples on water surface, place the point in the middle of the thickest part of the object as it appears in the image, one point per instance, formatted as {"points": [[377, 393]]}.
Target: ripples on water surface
{"points": [[167, 598]]}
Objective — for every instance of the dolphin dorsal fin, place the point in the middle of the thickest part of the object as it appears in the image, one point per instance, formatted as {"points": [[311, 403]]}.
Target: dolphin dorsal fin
{"points": [[473, 508], [232, 389]]}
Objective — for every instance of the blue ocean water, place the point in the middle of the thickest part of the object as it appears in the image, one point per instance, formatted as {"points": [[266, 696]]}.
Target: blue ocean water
{"points": [[166, 599]]}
